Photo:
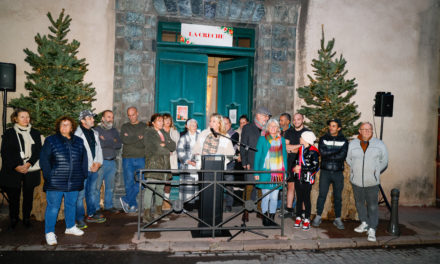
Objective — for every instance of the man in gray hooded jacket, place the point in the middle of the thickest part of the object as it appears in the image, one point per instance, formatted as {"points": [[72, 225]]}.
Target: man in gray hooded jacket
{"points": [[367, 157]]}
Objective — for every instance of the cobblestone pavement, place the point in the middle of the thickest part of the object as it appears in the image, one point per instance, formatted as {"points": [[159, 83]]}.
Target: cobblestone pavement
{"points": [[369, 256], [425, 255]]}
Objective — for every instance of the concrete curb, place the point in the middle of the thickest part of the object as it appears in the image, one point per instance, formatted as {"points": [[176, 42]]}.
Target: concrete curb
{"points": [[239, 245]]}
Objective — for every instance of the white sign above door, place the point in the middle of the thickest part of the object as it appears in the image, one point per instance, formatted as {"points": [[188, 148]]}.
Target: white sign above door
{"points": [[206, 35]]}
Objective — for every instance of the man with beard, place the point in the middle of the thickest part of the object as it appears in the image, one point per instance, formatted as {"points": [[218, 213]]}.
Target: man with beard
{"points": [[94, 154], [292, 137], [249, 136], [110, 143], [285, 120]]}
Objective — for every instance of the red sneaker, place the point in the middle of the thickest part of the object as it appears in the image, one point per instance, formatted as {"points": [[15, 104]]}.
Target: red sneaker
{"points": [[298, 222], [306, 224]]}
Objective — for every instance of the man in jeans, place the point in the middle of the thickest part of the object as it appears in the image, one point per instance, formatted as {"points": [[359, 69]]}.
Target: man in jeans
{"points": [[110, 143], [94, 155], [333, 148], [133, 158], [367, 157]]}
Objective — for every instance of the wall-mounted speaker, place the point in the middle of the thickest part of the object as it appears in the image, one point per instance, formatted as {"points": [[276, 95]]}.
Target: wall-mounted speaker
{"points": [[383, 105], [7, 77]]}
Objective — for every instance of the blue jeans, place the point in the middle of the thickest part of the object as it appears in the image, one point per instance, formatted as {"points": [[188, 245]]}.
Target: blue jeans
{"points": [[130, 166], [269, 202], [53, 199], [79, 215], [90, 193], [106, 174]]}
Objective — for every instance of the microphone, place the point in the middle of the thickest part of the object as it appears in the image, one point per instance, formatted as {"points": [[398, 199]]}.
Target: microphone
{"points": [[213, 132]]}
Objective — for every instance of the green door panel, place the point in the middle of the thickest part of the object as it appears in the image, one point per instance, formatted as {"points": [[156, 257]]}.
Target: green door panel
{"points": [[234, 88], [181, 83]]}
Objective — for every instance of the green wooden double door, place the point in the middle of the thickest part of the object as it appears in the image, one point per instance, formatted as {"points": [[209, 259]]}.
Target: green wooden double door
{"points": [[181, 85]]}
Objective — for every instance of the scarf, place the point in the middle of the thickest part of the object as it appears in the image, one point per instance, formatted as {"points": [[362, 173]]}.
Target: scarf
{"points": [[260, 126], [210, 145], [302, 162], [90, 137], [274, 158], [106, 125], [25, 132], [364, 143], [162, 137]]}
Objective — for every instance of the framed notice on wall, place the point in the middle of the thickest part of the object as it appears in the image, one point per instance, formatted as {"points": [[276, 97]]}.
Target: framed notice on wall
{"points": [[182, 113], [206, 35], [233, 116]]}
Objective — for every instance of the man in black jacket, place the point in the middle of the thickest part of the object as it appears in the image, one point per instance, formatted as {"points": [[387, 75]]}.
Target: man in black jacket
{"points": [[333, 148], [249, 136]]}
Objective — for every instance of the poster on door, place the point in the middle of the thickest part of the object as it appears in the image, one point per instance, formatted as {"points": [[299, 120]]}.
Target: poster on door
{"points": [[192, 34], [182, 113]]}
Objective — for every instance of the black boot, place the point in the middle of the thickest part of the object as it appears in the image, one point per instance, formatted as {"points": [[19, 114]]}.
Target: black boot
{"points": [[27, 222], [288, 213], [272, 223], [266, 222], [13, 224]]}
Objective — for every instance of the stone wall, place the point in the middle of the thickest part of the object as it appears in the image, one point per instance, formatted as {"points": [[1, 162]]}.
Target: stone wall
{"points": [[275, 25], [135, 55]]}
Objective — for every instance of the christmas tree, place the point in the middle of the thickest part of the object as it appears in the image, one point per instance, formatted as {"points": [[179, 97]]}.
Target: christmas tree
{"points": [[56, 84], [328, 94]]}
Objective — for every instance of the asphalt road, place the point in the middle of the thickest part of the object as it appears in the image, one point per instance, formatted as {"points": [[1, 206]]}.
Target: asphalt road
{"points": [[425, 255]]}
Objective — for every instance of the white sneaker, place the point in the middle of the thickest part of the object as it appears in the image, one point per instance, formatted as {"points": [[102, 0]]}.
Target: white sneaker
{"points": [[74, 231], [362, 228], [371, 235], [51, 239]]}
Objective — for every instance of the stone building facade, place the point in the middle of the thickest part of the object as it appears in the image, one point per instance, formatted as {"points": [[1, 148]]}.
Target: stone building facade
{"points": [[275, 24]]}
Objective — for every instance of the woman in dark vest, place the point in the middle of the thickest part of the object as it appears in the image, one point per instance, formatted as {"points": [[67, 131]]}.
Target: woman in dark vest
{"points": [[20, 151], [63, 160]]}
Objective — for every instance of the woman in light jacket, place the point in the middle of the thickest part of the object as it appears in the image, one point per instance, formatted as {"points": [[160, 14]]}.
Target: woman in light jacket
{"points": [[209, 143], [20, 150], [187, 161]]}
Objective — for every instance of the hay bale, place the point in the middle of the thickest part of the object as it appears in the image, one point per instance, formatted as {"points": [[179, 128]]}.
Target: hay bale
{"points": [[348, 206], [39, 203]]}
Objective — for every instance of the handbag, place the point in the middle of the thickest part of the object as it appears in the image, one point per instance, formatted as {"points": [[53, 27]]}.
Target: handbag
{"points": [[36, 166]]}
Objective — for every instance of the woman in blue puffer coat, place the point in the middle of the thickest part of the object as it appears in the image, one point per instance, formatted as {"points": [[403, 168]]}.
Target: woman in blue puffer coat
{"points": [[63, 160]]}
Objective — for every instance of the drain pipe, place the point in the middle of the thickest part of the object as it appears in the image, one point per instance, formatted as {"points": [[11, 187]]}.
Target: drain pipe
{"points": [[393, 227]]}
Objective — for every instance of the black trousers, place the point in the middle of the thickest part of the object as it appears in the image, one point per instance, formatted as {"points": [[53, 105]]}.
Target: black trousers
{"points": [[303, 196], [14, 201]]}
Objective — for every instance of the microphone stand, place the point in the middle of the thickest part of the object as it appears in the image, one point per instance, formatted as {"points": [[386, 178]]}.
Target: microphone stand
{"points": [[243, 225], [246, 147]]}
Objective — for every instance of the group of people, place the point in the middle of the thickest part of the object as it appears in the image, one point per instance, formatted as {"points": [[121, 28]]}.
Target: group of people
{"points": [[287, 145], [77, 159]]}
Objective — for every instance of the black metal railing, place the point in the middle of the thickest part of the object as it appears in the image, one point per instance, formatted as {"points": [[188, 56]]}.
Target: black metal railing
{"points": [[177, 206]]}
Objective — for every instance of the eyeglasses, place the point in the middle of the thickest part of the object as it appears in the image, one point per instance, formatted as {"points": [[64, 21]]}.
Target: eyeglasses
{"points": [[365, 129]]}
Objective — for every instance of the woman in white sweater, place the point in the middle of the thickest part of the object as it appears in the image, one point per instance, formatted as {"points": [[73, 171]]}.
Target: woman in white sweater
{"points": [[214, 144]]}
